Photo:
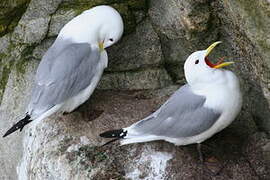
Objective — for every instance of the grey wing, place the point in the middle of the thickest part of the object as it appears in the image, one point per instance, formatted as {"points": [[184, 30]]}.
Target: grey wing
{"points": [[183, 115], [62, 75]]}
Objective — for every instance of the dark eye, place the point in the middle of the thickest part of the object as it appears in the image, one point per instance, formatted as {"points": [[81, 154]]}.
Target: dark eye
{"points": [[197, 62], [111, 39]]}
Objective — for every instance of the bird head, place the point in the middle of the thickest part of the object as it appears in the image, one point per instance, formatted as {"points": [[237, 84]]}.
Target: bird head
{"points": [[199, 69], [111, 27], [100, 25]]}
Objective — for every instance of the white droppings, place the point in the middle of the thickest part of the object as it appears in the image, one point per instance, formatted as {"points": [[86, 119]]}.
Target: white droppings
{"points": [[150, 165], [75, 147]]}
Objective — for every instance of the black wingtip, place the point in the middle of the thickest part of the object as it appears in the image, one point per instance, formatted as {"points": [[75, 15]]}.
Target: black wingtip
{"points": [[118, 133], [18, 126]]}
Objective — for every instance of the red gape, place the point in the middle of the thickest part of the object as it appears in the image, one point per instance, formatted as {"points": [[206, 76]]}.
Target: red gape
{"points": [[209, 63]]}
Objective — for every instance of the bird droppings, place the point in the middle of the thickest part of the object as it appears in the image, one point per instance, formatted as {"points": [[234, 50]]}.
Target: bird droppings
{"points": [[156, 165], [57, 147]]}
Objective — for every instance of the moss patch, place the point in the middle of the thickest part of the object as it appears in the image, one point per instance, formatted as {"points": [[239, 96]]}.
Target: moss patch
{"points": [[87, 157], [10, 18], [21, 64], [125, 7]]}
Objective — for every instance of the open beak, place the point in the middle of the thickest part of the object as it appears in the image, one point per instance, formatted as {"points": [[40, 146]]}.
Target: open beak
{"points": [[101, 46], [218, 65]]}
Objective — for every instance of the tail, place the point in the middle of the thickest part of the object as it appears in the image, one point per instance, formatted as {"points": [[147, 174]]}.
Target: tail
{"points": [[19, 125], [116, 134]]}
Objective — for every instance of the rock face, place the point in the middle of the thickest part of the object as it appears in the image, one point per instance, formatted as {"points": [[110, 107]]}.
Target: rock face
{"points": [[145, 67]]}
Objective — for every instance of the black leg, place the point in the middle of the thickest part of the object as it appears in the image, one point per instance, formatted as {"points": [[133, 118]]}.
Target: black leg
{"points": [[205, 165], [200, 152]]}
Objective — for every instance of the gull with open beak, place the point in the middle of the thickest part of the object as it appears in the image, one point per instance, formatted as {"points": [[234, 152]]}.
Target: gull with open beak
{"points": [[72, 67], [208, 103]]}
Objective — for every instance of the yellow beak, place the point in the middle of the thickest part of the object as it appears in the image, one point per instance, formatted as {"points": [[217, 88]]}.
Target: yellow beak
{"points": [[209, 50], [101, 46], [223, 65], [211, 47]]}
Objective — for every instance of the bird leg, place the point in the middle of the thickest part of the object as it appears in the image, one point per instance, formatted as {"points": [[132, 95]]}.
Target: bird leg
{"points": [[200, 152], [203, 163]]}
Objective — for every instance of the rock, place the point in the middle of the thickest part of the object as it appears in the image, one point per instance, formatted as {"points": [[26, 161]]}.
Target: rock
{"points": [[259, 145], [142, 51], [59, 19], [182, 27], [143, 70], [137, 80], [68, 147], [12, 109], [37, 15], [11, 12], [4, 44], [41, 49], [26, 31], [253, 69]]}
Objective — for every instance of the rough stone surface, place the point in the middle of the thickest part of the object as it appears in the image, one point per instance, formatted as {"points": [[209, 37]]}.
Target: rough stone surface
{"points": [[68, 147], [140, 49], [12, 108], [10, 14], [182, 27], [136, 80], [145, 67]]}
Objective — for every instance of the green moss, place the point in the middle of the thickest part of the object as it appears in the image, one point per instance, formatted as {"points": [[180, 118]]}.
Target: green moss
{"points": [[64, 144], [87, 157], [125, 7], [21, 64], [10, 18]]}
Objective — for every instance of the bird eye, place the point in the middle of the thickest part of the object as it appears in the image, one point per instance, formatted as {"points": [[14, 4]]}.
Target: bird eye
{"points": [[197, 61], [111, 39]]}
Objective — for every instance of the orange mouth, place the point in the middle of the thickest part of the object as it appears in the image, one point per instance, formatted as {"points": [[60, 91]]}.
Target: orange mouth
{"points": [[212, 65]]}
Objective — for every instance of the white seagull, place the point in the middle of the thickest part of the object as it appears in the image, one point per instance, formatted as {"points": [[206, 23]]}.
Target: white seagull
{"points": [[208, 103], [71, 69]]}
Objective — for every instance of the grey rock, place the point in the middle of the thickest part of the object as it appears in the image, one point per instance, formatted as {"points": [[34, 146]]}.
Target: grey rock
{"points": [[12, 109], [70, 148], [41, 49], [137, 80], [10, 14], [27, 31], [4, 44], [138, 50], [59, 19], [33, 26], [258, 145], [183, 26], [252, 68]]}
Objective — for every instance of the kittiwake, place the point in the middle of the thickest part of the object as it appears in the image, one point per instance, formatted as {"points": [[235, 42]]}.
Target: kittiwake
{"points": [[72, 67], [208, 103]]}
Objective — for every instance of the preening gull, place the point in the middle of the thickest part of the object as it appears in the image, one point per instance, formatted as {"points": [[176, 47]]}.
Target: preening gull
{"points": [[208, 103], [71, 69]]}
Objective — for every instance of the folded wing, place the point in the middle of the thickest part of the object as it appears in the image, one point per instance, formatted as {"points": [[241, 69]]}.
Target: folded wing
{"points": [[65, 70], [183, 115]]}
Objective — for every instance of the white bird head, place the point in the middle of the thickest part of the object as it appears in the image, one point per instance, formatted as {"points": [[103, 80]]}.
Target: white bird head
{"points": [[100, 25], [198, 68]]}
